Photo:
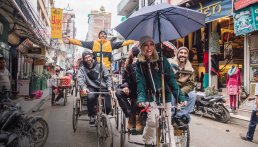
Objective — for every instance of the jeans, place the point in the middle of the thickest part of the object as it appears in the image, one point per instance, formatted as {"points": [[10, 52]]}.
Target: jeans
{"points": [[191, 98], [92, 102], [252, 125]]}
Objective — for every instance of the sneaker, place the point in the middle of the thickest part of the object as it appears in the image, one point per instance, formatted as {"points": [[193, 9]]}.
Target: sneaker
{"points": [[244, 138], [92, 121]]}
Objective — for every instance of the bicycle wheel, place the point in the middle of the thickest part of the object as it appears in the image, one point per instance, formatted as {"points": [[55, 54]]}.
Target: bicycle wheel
{"points": [[65, 96], [76, 110], [104, 131], [182, 137], [163, 132], [123, 130], [116, 115]]}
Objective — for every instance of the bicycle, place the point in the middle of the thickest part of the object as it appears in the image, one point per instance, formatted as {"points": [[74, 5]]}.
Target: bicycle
{"points": [[163, 135], [103, 124]]}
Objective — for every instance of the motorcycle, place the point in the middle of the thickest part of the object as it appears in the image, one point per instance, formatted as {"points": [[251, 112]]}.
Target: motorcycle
{"points": [[213, 106], [8, 139], [18, 129]]}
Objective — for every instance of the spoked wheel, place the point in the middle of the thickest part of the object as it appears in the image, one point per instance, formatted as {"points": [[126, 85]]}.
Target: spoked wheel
{"points": [[117, 116], [104, 132], [163, 135], [39, 132], [182, 137], [65, 96], [123, 130], [76, 110]]}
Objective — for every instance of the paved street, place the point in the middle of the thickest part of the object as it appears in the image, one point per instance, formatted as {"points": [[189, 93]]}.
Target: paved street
{"points": [[204, 132]]}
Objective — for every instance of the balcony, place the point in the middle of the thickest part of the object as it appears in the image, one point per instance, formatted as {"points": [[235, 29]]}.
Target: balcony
{"points": [[125, 7]]}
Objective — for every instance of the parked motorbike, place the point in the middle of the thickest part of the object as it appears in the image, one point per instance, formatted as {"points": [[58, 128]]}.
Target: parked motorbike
{"points": [[213, 106], [29, 131]]}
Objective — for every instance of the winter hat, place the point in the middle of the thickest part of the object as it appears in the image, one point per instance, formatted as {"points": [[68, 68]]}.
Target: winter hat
{"points": [[182, 48], [145, 39], [135, 51], [85, 53]]}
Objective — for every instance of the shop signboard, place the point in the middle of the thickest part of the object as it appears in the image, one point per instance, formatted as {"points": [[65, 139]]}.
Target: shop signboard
{"points": [[239, 4], [255, 16], [243, 22], [56, 22], [214, 9]]}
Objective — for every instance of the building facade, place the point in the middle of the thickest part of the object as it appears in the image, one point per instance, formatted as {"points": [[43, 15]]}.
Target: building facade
{"points": [[98, 20]]}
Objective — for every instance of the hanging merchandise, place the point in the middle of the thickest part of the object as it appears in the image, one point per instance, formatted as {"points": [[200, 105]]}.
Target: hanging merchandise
{"points": [[206, 61], [215, 65], [206, 80]]}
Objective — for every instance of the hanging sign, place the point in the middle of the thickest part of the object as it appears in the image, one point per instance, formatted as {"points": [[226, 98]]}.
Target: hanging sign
{"points": [[214, 9], [255, 16], [246, 20], [239, 4], [56, 23]]}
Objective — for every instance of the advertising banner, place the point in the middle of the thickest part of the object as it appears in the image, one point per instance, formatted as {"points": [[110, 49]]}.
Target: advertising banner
{"points": [[56, 22]]}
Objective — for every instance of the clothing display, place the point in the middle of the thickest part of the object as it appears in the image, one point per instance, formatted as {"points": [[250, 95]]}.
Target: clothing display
{"points": [[233, 83]]}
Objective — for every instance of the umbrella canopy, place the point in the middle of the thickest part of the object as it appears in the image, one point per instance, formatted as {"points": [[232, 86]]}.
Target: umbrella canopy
{"points": [[162, 22]]}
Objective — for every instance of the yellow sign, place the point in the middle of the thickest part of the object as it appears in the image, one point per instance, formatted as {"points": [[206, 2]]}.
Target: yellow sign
{"points": [[56, 23]]}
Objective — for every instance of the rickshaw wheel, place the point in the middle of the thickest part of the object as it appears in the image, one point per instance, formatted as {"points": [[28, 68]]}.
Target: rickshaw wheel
{"points": [[123, 130], [104, 132], [65, 96], [76, 110]]}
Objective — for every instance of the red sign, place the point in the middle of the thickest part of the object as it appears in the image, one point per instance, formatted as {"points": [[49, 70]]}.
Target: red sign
{"points": [[239, 4]]}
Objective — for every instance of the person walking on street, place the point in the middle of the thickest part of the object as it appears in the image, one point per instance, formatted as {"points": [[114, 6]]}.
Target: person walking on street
{"points": [[148, 76], [5, 76], [184, 74], [254, 116], [100, 46], [89, 80]]}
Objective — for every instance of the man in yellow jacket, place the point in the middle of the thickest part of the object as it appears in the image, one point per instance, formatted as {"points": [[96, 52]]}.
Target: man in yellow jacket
{"points": [[100, 46]]}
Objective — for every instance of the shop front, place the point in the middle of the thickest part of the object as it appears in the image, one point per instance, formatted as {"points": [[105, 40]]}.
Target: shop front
{"points": [[215, 48], [246, 24]]}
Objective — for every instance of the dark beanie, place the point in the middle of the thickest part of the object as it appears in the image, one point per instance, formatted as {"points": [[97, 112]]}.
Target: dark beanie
{"points": [[85, 53], [135, 51]]}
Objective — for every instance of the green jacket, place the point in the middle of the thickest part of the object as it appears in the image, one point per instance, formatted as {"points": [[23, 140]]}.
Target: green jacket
{"points": [[145, 88]]}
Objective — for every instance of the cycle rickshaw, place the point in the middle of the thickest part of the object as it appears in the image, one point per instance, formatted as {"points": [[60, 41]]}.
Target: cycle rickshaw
{"points": [[63, 86], [103, 123], [181, 131]]}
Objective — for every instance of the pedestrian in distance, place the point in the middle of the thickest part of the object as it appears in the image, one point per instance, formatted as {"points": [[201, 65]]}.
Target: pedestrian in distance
{"points": [[254, 116], [102, 45], [148, 77], [5, 76]]}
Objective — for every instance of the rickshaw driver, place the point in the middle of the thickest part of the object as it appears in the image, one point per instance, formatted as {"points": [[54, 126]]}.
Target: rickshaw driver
{"points": [[90, 80]]}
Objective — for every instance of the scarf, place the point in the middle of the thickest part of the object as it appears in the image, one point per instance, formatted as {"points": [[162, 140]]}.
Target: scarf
{"points": [[232, 71]]}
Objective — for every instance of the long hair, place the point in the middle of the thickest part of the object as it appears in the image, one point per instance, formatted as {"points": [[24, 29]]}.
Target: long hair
{"points": [[129, 61]]}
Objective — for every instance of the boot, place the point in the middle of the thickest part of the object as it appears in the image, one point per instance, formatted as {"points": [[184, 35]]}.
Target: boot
{"points": [[139, 126], [131, 122]]}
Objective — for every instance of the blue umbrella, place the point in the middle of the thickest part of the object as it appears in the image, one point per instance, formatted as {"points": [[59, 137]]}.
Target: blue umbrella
{"points": [[162, 22]]}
